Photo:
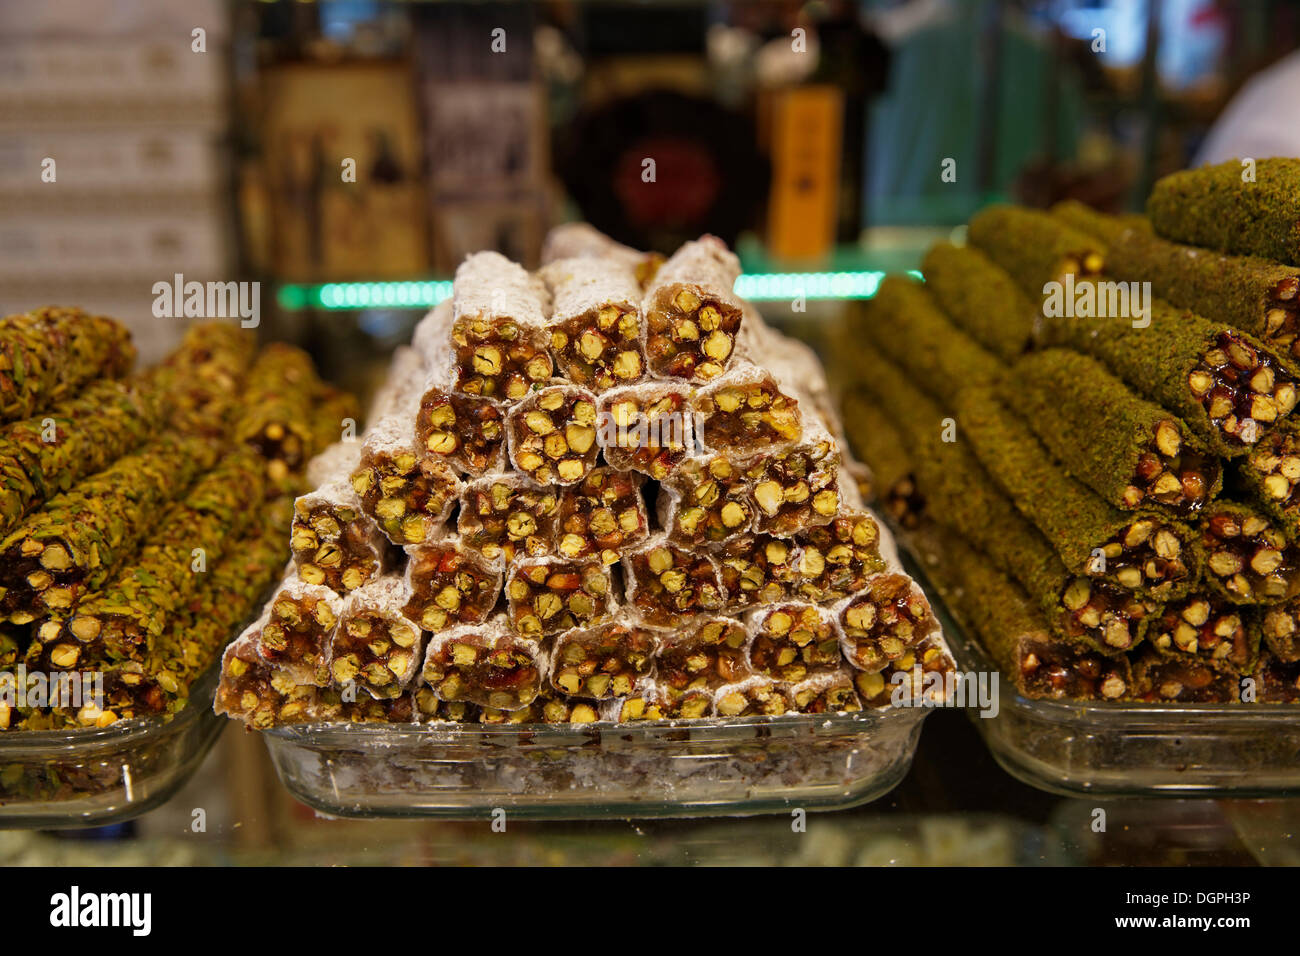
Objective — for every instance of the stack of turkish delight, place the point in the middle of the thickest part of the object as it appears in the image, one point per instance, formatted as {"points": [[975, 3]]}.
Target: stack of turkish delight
{"points": [[604, 490]]}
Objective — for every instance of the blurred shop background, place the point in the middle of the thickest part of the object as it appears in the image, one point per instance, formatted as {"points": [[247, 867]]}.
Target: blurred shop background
{"points": [[348, 154]]}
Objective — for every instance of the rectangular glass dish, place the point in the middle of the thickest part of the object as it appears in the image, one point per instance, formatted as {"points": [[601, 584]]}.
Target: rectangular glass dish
{"points": [[1135, 749], [653, 769], [91, 776]]}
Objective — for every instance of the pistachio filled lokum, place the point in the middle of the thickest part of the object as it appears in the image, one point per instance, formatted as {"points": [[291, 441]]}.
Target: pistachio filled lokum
{"points": [[604, 660], [883, 621], [667, 584], [705, 501], [798, 486], [826, 693], [791, 641], [449, 585], [552, 435], [550, 595], [692, 315], [485, 664], [602, 515], [375, 644], [498, 335], [407, 493], [506, 516], [708, 653], [596, 330], [747, 412], [647, 428]]}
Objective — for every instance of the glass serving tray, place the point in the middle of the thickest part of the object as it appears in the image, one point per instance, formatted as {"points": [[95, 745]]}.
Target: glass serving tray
{"points": [[90, 776], [1075, 748], [652, 769]]}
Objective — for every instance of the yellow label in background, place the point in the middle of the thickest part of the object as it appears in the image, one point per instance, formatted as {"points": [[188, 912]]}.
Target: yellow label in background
{"points": [[807, 132]]}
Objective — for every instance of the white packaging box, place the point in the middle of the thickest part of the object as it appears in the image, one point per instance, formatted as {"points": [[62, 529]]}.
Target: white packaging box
{"points": [[39, 248], [110, 80], [113, 160]]}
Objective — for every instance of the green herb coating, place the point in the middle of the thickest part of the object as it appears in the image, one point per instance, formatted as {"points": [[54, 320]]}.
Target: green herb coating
{"points": [[1106, 436], [1012, 628], [48, 354], [960, 495], [1213, 207], [1102, 226], [1157, 361], [88, 433], [981, 298], [915, 333], [97, 527], [1033, 247]]}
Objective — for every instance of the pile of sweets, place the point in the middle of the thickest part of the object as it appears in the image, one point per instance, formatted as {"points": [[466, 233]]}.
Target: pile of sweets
{"points": [[1108, 496], [602, 491], [141, 514]]}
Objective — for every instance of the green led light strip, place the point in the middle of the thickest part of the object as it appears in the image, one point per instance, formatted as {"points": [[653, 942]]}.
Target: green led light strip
{"points": [[758, 287]]}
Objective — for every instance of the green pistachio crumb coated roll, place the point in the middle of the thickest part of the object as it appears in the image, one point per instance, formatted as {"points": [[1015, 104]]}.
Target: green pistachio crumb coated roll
{"points": [[47, 454], [1160, 678], [1102, 226], [1221, 207], [1034, 248], [911, 329], [277, 414], [122, 621], [1128, 450], [960, 495], [878, 443], [1205, 627], [195, 632], [48, 354], [79, 539], [1259, 297], [203, 378], [1248, 559], [1143, 553], [1012, 629], [1227, 386], [981, 298]]}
